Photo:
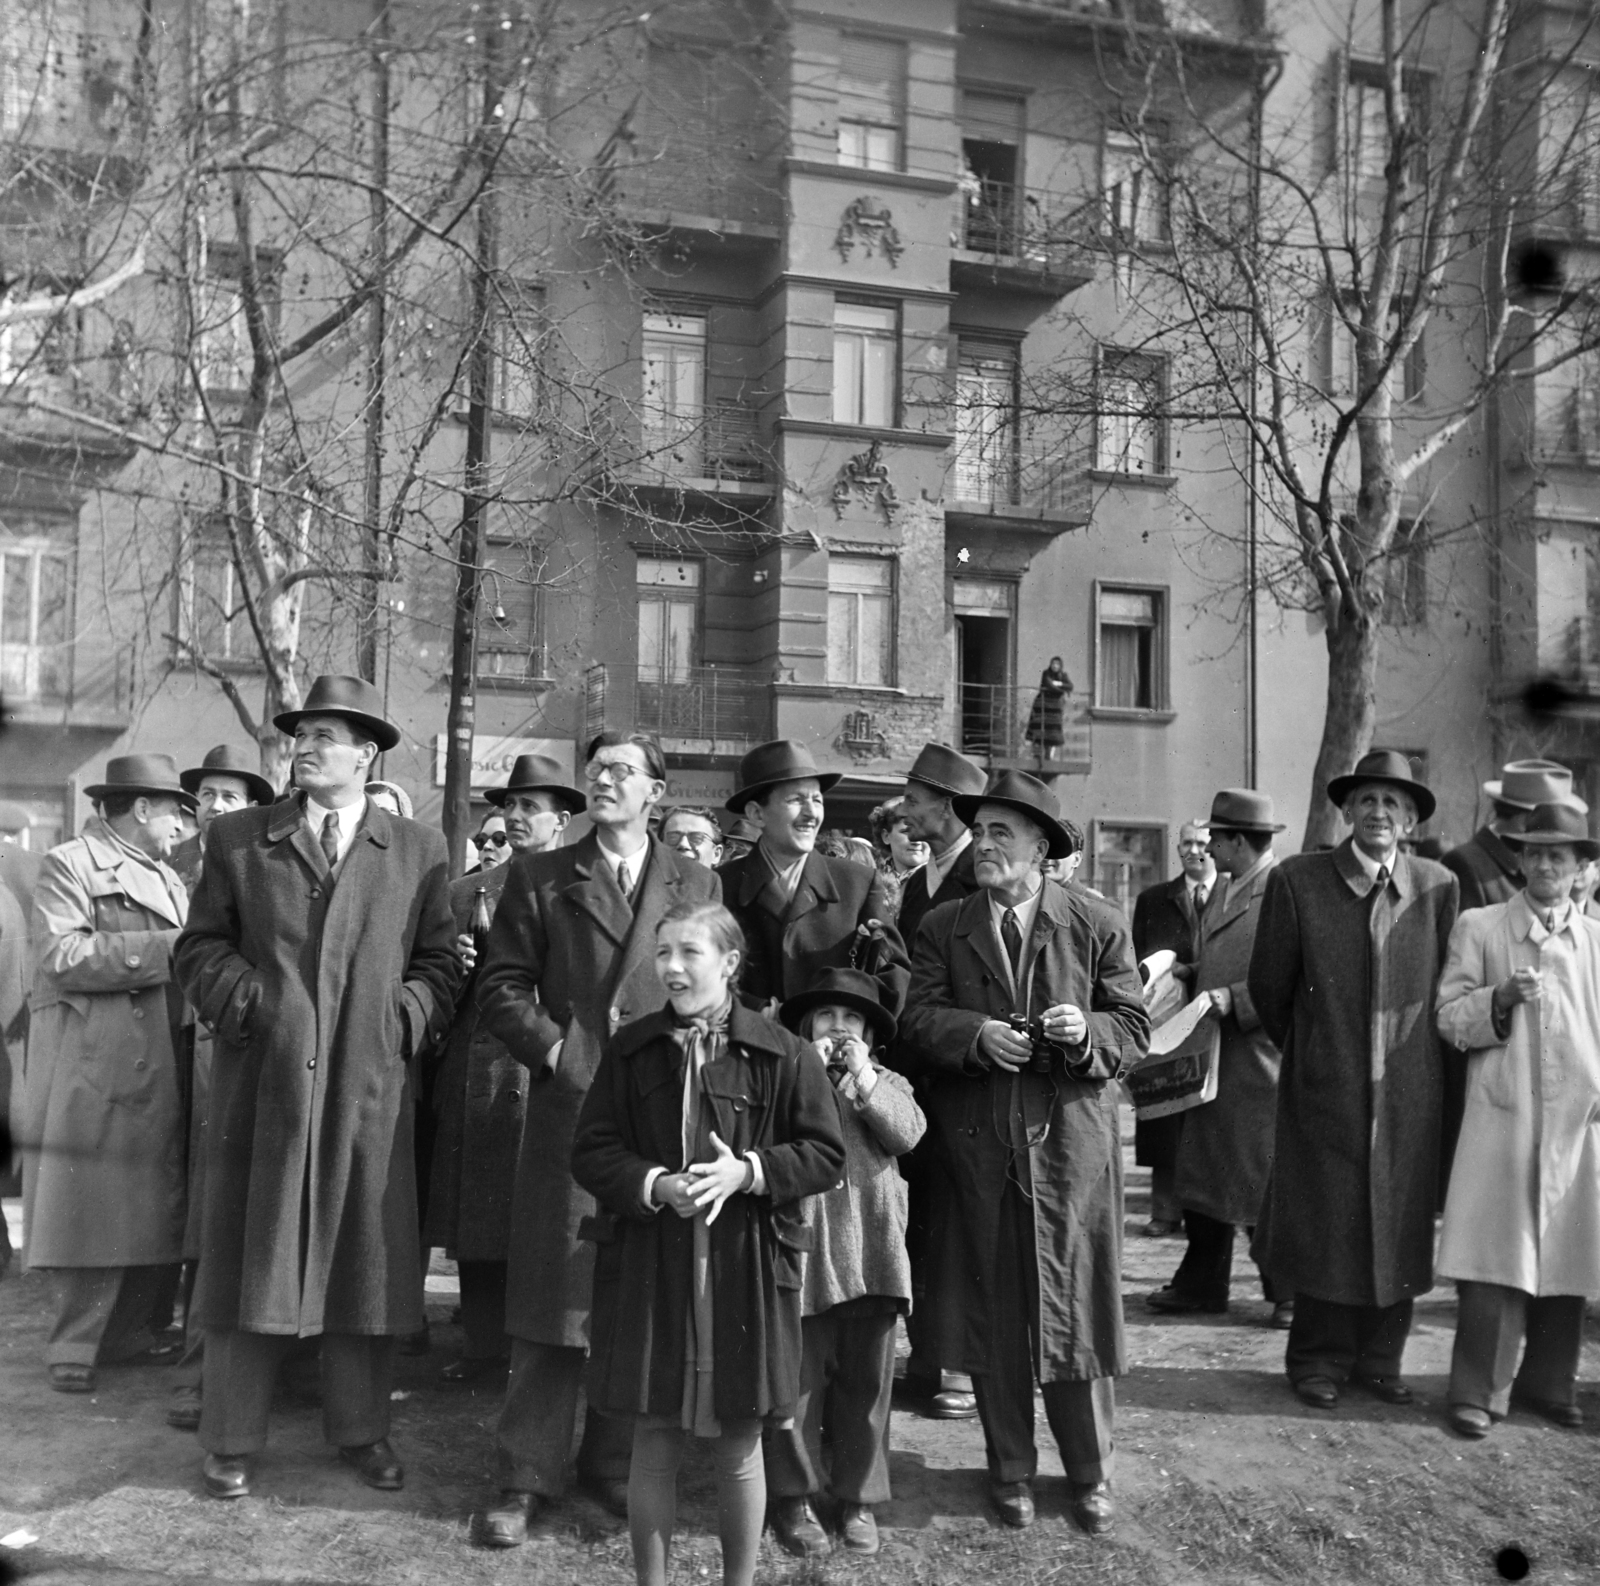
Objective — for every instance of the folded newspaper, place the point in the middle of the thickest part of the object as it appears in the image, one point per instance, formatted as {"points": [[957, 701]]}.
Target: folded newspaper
{"points": [[1180, 1070]]}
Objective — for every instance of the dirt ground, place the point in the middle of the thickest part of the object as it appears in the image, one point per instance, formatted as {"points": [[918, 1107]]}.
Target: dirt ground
{"points": [[1221, 1476]]}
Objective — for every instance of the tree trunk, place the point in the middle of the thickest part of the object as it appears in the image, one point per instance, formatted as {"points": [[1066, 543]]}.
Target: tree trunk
{"points": [[1347, 725]]}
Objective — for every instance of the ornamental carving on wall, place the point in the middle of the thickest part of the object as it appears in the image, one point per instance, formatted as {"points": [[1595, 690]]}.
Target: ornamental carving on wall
{"points": [[866, 475], [860, 738], [869, 223]]}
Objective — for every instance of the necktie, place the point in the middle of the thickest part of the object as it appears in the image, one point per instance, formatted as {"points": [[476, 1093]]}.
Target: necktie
{"points": [[329, 838], [625, 881], [1381, 880], [1550, 922], [1011, 936], [1200, 895]]}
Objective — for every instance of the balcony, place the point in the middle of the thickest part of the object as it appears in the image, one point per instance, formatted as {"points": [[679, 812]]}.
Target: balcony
{"points": [[714, 453], [996, 724], [1028, 482], [1021, 239], [696, 189], [709, 711]]}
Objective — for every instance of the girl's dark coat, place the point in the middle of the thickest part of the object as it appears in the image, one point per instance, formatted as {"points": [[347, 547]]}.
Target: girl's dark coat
{"points": [[769, 1093]]}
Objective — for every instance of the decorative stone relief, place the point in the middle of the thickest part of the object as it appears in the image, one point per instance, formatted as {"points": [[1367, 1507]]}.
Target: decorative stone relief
{"points": [[866, 475], [860, 738], [869, 223]]}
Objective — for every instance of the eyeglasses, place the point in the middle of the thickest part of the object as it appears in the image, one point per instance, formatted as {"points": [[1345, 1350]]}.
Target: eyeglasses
{"points": [[493, 840], [618, 770], [694, 840]]}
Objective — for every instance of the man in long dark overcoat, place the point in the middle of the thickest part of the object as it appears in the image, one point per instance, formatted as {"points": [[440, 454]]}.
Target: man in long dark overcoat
{"points": [[1025, 1284], [937, 775], [802, 912], [321, 952], [1347, 959], [571, 959], [481, 1091]]}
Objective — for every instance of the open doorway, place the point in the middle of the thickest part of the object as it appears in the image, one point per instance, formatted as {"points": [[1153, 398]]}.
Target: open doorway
{"points": [[983, 645]]}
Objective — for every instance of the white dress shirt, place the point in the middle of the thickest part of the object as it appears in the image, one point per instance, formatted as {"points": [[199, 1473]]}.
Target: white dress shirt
{"points": [[634, 861], [347, 822]]}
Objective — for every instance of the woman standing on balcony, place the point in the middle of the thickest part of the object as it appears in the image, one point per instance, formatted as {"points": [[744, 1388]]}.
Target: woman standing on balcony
{"points": [[1046, 721]]}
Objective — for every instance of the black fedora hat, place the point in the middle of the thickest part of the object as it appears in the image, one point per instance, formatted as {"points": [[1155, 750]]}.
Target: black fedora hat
{"points": [[848, 988], [939, 766], [1242, 809], [1384, 765], [354, 698], [225, 760], [1559, 821], [155, 774], [768, 764], [538, 773], [1016, 790]]}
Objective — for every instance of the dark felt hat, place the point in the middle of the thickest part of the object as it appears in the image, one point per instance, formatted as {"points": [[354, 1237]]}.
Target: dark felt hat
{"points": [[538, 773], [1559, 821], [1384, 765], [847, 988], [1016, 790], [354, 698], [1242, 809], [768, 764], [939, 766], [226, 760], [155, 774]]}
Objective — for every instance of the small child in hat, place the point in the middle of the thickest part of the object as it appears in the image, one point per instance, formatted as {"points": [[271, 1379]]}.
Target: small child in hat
{"points": [[857, 1278]]}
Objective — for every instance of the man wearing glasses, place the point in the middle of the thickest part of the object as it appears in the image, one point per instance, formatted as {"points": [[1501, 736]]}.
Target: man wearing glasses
{"points": [[692, 830], [480, 1092], [571, 957]]}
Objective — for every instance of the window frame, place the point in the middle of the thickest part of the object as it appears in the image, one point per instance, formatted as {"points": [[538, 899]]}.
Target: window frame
{"points": [[892, 121], [999, 475], [1120, 147], [695, 600], [1100, 825], [1359, 73], [217, 283], [1160, 706], [535, 647], [857, 598], [675, 431], [893, 338], [1109, 362], [207, 544], [38, 680], [520, 325]]}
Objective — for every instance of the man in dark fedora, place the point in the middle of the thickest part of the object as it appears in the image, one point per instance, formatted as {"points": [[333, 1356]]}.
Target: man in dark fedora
{"points": [[321, 952], [480, 1091], [1225, 1151], [801, 911], [1346, 962], [1024, 1003], [571, 959], [937, 776], [228, 778], [103, 1174]]}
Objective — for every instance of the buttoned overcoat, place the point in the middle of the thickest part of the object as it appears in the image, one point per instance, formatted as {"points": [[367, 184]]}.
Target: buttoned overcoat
{"points": [[1080, 953], [768, 1093], [104, 1091], [1225, 1153], [481, 1097], [318, 991], [1349, 1214], [568, 961]]}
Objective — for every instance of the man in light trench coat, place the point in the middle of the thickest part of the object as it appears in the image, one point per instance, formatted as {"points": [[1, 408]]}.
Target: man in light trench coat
{"points": [[1521, 1236], [321, 951], [1024, 1284]]}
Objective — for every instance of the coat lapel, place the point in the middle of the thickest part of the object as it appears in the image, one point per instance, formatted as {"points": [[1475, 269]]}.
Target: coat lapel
{"points": [[816, 889], [656, 893], [1238, 899], [289, 821], [973, 923], [595, 893], [139, 883]]}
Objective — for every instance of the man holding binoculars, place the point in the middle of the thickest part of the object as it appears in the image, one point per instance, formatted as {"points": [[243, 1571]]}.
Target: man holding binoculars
{"points": [[1024, 1004]]}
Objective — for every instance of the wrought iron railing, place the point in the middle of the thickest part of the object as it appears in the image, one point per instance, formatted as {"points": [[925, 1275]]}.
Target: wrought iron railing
{"points": [[1023, 225], [722, 442], [997, 721], [1000, 468], [727, 708]]}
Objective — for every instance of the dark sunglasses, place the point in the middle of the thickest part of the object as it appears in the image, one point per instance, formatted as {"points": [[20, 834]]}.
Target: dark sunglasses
{"points": [[493, 840]]}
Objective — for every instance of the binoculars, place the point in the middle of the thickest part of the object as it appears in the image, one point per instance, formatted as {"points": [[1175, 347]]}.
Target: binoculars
{"points": [[1045, 1054]]}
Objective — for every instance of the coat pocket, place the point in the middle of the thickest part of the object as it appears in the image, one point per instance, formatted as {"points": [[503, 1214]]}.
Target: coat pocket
{"points": [[116, 1065], [792, 1238]]}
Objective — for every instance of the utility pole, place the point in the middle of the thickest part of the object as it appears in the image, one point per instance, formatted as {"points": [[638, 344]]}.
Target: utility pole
{"points": [[462, 718], [369, 588]]}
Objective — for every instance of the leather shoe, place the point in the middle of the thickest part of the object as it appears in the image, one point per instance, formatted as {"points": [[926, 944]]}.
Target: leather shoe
{"points": [[1092, 1508], [1169, 1297], [72, 1378], [949, 1405], [611, 1495], [858, 1528], [1321, 1393], [1390, 1389], [464, 1370], [506, 1524], [376, 1464], [1013, 1502], [183, 1409], [1161, 1228], [1282, 1316], [1568, 1415], [417, 1343], [1469, 1421], [226, 1475], [798, 1530]]}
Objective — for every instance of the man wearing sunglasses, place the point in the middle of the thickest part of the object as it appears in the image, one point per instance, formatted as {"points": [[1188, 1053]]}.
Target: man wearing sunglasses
{"points": [[570, 958]]}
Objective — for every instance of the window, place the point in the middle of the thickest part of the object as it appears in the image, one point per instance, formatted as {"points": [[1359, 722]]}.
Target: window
{"points": [[39, 345], [1338, 375], [669, 619], [221, 337], [1126, 857], [866, 344], [986, 421], [35, 618], [1130, 653], [675, 389], [1130, 431], [519, 353], [511, 611], [861, 621], [1362, 130], [1138, 201], [1403, 575], [40, 67], [872, 94], [991, 156], [214, 618]]}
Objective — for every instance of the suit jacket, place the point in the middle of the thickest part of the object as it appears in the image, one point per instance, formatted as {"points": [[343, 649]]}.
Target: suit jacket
{"points": [[1080, 953], [1164, 917], [568, 961], [1485, 869], [817, 931]]}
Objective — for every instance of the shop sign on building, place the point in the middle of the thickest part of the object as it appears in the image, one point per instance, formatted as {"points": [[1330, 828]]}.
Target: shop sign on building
{"points": [[493, 757]]}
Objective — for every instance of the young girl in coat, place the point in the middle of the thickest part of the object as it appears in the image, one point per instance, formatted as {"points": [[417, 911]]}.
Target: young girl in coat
{"points": [[858, 1278], [704, 1129]]}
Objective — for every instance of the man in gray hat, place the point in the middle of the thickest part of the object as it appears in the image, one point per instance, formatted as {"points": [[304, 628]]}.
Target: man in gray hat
{"points": [[103, 1174], [1486, 865]]}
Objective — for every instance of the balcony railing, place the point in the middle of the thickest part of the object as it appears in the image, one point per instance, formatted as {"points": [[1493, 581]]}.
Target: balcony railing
{"points": [[1019, 225], [1019, 728], [722, 710], [41, 682], [721, 443], [689, 175], [1033, 473]]}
